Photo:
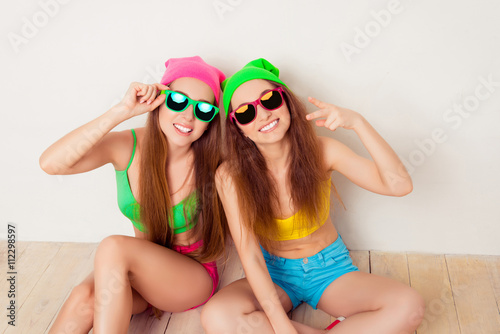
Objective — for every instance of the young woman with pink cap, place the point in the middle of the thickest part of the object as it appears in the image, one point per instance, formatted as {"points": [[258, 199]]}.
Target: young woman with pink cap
{"points": [[165, 179]]}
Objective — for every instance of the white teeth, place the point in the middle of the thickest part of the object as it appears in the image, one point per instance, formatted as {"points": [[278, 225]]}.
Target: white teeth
{"points": [[182, 129], [269, 126]]}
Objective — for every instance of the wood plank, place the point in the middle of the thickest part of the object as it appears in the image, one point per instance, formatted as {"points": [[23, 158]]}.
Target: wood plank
{"points": [[493, 263], [31, 269], [20, 246], [160, 325], [429, 276], [391, 265], [146, 322], [3, 252], [86, 269], [474, 294], [47, 295], [34, 259], [186, 322], [361, 259], [19, 250]]}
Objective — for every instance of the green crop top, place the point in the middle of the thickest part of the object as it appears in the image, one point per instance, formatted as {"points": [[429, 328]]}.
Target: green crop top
{"points": [[182, 212]]}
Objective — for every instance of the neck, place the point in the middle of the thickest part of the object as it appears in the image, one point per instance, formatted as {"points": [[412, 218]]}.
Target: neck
{"points": [[176, 153], [276, 155]]}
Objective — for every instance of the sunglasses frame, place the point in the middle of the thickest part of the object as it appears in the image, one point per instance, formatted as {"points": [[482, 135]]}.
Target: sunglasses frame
{"points": [[257, 102], [192, 102]]}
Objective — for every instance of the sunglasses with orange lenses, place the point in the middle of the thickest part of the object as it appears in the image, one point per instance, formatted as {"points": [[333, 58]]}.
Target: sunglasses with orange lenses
{"points": [[269, 100]]}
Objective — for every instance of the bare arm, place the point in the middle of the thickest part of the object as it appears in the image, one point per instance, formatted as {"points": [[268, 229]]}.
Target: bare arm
{"points": [[251, 257], [92, 145], [384, 175]]}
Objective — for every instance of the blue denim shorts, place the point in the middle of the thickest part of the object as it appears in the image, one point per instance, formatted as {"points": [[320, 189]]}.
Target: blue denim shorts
{"points": [[305, 280]]}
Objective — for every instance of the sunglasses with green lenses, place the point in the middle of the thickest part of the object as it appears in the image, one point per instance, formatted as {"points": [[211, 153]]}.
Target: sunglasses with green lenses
{"points": [[178, 102]]}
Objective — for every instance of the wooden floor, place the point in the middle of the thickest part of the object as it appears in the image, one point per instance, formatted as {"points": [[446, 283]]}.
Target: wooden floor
{"points": [[462, 293]]}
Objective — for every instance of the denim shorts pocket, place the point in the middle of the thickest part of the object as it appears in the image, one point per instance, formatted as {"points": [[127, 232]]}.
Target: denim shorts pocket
{"points": [[341, 257], [336, 260], [273, 262]]}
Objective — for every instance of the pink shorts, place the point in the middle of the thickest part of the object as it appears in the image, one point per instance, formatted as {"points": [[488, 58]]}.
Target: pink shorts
{"points": [[211, 267]]}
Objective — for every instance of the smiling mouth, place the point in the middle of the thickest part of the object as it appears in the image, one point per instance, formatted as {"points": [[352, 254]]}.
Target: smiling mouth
{"points": [[182, 128], [270, 126]]}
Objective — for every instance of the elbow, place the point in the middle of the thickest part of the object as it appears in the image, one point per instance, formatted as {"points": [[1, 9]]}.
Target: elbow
{"points": [[252, 263]]}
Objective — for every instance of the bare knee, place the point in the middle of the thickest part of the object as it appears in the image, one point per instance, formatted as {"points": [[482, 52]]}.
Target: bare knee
{"points": [[219, 317], [213, 317], [81, 299], [109, 250], [83, 292], [408, 308], [416, 308]]}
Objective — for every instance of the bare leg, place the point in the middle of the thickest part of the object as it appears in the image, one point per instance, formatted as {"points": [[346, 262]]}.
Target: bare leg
{"points": [[168, 280], [77, 312], [234, 309], [372, 304]]}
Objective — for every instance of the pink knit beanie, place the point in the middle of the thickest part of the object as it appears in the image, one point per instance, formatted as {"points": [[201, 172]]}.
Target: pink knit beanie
{"points": [[193, 67]]}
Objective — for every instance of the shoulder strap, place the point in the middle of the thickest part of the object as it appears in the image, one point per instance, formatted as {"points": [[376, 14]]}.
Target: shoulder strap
{"points": [[133, 150]]}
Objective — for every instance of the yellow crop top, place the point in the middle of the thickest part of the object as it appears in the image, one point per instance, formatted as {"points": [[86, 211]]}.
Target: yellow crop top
{"points": [[287, 230]]}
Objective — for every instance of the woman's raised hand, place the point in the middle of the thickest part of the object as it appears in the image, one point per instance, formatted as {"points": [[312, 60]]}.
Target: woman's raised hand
{"points": [[333, 116], [141, 98], [91, 145]]}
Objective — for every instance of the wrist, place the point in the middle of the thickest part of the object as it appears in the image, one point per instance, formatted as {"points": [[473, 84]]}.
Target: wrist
{"points": [[279, 320], [360, 124], [110, 119], [118, 114]]}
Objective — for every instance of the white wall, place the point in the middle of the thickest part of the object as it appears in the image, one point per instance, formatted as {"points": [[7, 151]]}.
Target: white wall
{"points": [[405, 79]]}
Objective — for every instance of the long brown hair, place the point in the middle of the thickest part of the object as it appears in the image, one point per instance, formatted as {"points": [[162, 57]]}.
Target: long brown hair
{"points": [[155, 202], [256, 188]]}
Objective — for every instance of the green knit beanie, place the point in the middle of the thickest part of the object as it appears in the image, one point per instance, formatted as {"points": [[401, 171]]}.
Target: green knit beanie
{"points": [[256, 69]]}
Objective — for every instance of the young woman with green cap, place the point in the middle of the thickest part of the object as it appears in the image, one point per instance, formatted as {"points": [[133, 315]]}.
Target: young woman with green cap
{"points": [[165, 179], [275, 189]]}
